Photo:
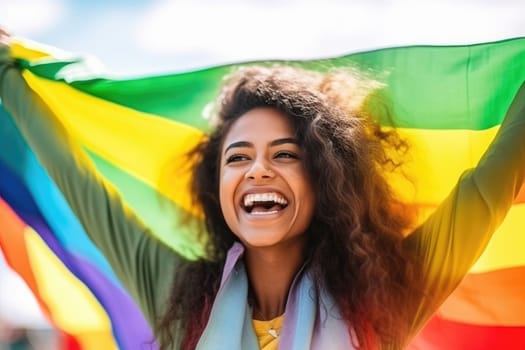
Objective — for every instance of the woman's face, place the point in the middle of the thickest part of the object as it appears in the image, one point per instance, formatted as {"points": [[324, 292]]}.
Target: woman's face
{"points": [[266, 195]]}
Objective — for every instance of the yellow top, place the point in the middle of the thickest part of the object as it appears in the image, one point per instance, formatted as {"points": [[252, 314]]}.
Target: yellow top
{"points": [[268, 332]]}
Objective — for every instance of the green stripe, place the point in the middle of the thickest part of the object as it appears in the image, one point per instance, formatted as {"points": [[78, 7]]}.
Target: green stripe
{"points": [[431, 87], [469, 87], [156, 211]]}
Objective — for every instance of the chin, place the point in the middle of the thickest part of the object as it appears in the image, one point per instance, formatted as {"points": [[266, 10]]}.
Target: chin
{"points": [[259, 243], [259, 240]]}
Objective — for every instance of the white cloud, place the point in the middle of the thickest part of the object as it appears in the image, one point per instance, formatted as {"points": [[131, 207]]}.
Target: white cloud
{"points": [[29, 17], [232, 30], [453, 22], [235, 28], [17, 305]]}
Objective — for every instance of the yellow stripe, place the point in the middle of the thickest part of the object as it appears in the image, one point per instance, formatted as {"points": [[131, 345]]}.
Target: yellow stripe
{"points": [[436, 160], [505, 249], [139, 143], [77, 312], [19, 49]]}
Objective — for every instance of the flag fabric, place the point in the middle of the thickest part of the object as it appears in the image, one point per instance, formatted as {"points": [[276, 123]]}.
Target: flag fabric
{"points": [[447, 101]]}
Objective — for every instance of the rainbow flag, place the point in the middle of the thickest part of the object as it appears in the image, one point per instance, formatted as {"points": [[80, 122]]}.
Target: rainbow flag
{"points": [[447, 101]]}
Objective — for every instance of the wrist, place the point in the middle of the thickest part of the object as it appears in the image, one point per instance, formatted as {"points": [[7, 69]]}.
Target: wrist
{"points": [[5, 54]]}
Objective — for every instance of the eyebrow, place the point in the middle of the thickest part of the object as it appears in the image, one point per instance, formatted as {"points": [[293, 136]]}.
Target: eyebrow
{"points": [[276, 142]]}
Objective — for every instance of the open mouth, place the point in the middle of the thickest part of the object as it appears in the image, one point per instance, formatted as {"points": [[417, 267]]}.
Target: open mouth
{"points": [[264, 203]]}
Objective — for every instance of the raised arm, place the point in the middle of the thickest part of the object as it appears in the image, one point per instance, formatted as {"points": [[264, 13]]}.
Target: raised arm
{"points": [[143, 264], [455, 235]]}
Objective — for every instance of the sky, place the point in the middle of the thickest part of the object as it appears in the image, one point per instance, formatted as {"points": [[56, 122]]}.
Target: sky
{"points": [[137, 37]]}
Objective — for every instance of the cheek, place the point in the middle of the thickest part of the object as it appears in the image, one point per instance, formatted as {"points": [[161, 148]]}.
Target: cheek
{"points": [[307, 198], [298, 179], [307, 206], [224, 192], [227, 184], [227, 187]]}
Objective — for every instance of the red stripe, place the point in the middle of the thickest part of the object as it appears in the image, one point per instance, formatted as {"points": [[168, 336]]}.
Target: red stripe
{"points": [[69, 342], [440, 334]]}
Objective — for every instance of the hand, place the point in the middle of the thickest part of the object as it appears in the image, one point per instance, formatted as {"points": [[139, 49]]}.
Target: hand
{"points": [[5, 49], [5, 37]]}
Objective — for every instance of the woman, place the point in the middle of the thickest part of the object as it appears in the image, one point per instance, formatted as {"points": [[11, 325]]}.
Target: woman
{"points": [[306, 246]]}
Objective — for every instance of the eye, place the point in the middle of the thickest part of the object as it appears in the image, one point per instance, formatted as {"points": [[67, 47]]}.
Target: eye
{"points": [[286, 155], [236, 158]]}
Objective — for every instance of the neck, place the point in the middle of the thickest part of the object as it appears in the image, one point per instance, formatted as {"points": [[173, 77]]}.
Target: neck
{"points": [[271, 271]]}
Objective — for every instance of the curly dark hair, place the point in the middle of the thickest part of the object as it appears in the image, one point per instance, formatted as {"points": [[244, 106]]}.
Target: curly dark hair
{"points": [[358, 258]]}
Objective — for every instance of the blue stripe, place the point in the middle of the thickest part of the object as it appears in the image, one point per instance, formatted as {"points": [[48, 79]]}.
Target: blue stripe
{"points": [[18, 159]]}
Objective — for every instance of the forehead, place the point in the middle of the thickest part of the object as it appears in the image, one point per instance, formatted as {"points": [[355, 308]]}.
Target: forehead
{"points": [[260, 124]]}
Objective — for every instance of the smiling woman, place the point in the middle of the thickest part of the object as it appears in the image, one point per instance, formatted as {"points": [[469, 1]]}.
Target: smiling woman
{"points": [[306, 244], [293, 175]]}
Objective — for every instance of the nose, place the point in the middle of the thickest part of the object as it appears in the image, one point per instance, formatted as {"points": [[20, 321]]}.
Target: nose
{"points": [[259, 170]]}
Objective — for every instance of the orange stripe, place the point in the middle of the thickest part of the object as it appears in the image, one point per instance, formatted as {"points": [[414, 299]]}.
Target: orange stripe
{"points": [[493, 298], [13, 245], [521, 195]]}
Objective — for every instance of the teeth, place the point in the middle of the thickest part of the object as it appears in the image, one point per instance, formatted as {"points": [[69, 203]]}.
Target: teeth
{"points": [[251, 198]]}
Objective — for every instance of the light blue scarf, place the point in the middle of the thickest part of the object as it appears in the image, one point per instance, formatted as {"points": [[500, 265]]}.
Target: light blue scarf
{"points": [[310, 322]]}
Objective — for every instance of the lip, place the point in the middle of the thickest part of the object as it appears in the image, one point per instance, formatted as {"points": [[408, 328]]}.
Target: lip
{"points": [[262, 217]]}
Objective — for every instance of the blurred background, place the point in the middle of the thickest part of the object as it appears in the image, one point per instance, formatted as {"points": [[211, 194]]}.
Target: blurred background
{"points": [[137, 37]]}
